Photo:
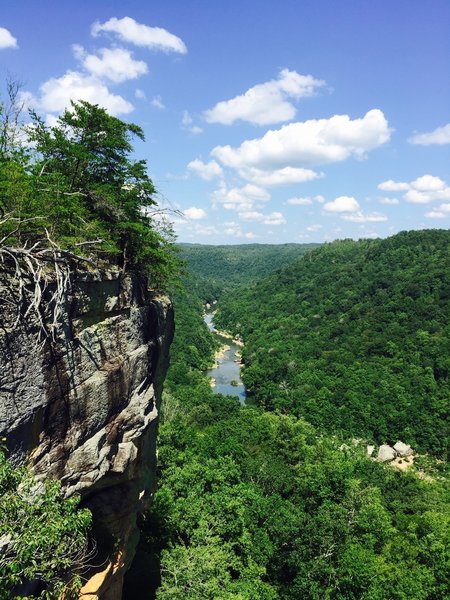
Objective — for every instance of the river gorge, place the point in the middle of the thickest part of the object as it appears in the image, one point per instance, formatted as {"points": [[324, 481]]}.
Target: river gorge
{"points": [[226, 373]]}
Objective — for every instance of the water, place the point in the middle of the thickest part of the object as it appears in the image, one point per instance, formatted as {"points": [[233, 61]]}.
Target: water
{"points": [[228, 368]]}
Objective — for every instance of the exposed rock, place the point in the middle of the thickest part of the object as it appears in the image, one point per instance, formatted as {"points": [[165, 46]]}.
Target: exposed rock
{"points": [[386, 453], [83, 408], [403, 449], [370, 450]]}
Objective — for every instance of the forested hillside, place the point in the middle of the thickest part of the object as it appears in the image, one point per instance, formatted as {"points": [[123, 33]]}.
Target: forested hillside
{"points": [[354, 338], [215, 269], [258, 505]]}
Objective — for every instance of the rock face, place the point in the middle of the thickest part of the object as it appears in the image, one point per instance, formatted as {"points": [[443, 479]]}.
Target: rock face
{"points": [[83, 409]]}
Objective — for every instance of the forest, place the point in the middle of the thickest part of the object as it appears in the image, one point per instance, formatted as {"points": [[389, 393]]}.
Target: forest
{"points": [[280, 500]]}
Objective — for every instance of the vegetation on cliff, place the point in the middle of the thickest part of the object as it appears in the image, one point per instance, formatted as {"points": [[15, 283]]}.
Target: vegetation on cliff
{"points": [[75, 185], [43, 537]]}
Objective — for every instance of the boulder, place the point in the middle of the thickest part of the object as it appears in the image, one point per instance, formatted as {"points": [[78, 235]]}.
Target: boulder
{"points": [[386, 453], [403, 449]]}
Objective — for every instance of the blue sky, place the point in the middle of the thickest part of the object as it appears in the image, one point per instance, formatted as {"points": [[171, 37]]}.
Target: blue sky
{"points": [[269, 122]]}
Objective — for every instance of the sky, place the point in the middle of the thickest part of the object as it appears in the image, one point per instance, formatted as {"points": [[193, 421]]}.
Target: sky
{"points": [[266, 121]]}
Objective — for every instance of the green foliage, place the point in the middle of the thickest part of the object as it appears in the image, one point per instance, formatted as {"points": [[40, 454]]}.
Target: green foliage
{"points": [[80, 187], [354, 338], [43, 537], [259, 505], [215, 269]]}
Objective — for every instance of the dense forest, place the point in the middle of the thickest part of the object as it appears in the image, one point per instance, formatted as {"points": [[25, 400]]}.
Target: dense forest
{"points": [[354, 338], [216, 269], [266, 504]]}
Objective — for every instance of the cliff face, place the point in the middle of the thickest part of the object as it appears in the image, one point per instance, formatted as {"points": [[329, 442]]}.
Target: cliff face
{"points": [[83, 408]]}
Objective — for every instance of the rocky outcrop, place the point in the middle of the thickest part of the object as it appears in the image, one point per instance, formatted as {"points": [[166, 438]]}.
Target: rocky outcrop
{"points": [[83, 408]]}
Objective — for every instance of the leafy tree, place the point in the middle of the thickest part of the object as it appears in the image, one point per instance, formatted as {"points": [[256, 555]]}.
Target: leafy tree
{"points": [[43, 537]]}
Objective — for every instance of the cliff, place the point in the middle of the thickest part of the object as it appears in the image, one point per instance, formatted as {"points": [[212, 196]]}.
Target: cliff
{"points": [[82, 405]]}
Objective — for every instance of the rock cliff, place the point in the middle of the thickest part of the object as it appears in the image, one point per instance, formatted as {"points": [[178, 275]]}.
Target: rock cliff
{"points": [[83, 408]]}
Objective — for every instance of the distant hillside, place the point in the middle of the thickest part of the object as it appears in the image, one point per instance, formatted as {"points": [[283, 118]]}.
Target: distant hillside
{"points": [[215, 269], [355, 338]]}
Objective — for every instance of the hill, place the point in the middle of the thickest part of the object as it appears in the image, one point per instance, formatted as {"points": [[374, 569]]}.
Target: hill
{"points": [[354, 338], [215, 269]]}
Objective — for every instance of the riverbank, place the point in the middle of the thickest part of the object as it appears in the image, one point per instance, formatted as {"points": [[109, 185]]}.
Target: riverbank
{"points": [[225, 375]]}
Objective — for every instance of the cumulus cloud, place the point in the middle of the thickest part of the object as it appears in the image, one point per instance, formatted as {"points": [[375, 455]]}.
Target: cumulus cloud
{"points": [[310, 142], [393, 186], [7, 40], [440, 136], [241, 199], [342, 204], [129, 30], [274, 218], [207, 171], [305, 201], [266, 103], [234, 229], [195, 213], [115, 64], [284, 176], [441, 213], [314, 228], [140, 94], [57, 92], [360, 217], [422, 190]]}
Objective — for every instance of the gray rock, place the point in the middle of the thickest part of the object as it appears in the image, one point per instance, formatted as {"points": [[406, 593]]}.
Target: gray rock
{"points": [[386, 453], [370, 450], [403, 449]]}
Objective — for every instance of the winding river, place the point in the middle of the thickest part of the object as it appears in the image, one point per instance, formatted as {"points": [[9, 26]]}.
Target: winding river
{"points": [[228, 367]]}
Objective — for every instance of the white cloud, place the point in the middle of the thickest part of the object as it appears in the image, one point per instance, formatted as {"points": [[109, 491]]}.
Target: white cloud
{"points": [[314, 228], [286, 175], [360, 217], [140, 94], [129, 30], [309, 143], [299, 201], [393, 186], [441, 213], [7, 40], [428, 183], [158, 103], [391, 201], [342, 204], [234, 229], [241, 199], [305, 201], [207, 171], [440, 136], [275, 218], [436, 214], [422, 190], [57, 92], [115, 64], [195, 213], [266, 103]]}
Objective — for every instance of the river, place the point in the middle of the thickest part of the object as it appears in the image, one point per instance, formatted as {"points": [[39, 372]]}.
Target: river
{"points": [[228, 367]]}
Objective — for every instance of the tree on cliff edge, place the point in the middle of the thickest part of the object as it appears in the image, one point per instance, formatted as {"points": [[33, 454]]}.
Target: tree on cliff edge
{"points": [[80, 187]]}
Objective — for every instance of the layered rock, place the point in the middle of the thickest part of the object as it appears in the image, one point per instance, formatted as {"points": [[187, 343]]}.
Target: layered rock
{"points": [[83, 407]]}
